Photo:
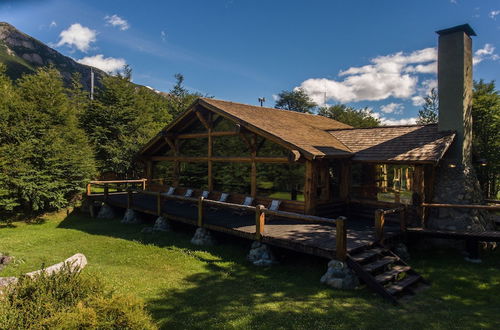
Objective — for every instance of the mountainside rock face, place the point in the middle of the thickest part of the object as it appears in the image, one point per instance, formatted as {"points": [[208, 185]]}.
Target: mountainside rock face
{"points": [[22, 53]]}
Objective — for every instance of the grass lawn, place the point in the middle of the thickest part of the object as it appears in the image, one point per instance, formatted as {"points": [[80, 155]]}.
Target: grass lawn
{"points": [[185, 286]]}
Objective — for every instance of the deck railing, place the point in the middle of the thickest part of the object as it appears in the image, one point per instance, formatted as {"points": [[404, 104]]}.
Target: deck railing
{"points": [[118, 186], [380, 220], [455, 206], [260, 216]]}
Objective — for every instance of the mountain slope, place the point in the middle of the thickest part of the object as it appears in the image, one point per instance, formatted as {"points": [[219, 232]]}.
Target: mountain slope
{"points": [[22, 53]]}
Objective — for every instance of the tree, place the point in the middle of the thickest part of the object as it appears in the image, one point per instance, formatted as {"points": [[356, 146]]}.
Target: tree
{"points": [[350, 116], [121, 119], [180, 97], [429, 112], [46, 158], [296, 100], [486, 136]]}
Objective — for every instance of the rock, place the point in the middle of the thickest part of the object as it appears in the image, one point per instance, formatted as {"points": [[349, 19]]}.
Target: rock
{"points": [[202, 236], [106, 212], [131, 216], [76, 263], [147, 230], [5, 260], [402, 251], [261, 255], [340, 276], [161, 224]]}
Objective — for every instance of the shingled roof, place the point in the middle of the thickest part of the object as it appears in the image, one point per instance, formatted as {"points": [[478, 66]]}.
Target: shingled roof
{"points": [[305, 132], [413, 143], [319, 137]]}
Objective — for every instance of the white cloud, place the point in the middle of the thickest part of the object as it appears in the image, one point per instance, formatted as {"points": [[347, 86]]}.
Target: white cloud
{"points": [[107, 64], [395, 108], [117, 21], [52, 24], [393, 75], [78, 36], [163, 36], [485, 53], [423, 90], [494, 14], [402, 121]]}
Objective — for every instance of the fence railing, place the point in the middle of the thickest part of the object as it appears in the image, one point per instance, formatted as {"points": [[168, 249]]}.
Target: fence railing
{"points": [[380, 220], [260, 216], [116, 185]]}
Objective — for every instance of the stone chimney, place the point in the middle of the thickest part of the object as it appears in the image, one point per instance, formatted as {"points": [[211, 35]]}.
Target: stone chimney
{"points": [[455, 89]]}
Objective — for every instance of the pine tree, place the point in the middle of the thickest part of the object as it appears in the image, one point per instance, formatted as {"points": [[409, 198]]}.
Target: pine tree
{"points": [[429, 112], [350, 116]]}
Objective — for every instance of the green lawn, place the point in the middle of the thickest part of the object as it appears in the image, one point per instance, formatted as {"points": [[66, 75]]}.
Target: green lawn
{"points": [[191, 287]]}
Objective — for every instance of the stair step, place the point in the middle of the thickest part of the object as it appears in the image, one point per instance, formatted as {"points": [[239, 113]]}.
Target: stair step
{"points": [[401, 285], [367, 254], [379, 264], [390, 274]]}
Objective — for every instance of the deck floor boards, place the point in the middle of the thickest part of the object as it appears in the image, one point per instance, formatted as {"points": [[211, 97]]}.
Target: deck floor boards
{"points": [[302, 236]]}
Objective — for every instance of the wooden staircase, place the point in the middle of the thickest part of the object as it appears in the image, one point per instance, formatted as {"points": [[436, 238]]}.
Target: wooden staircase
{"points": [[386, 273]]}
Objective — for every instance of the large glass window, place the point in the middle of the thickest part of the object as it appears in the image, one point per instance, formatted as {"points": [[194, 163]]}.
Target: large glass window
{"points": [[266, 148], [193, 175], [231, 177], [194, 147], [230, 146], [281, 181], [163, 172]]}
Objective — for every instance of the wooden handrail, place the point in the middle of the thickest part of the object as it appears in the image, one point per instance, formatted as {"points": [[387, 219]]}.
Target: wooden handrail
{"points": [[260, 216], [493, 201], [117, 181], [463, 206], [380, 220]]}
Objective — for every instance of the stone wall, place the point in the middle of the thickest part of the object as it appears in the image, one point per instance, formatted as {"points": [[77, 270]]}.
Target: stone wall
{"points": [[458, 185]]}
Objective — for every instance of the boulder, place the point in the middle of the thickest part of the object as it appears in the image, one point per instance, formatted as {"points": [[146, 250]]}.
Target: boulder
{"points": [[131, 216], [261, 255], [202, 236], [75, 262], [340, 276], [106, 212], [161, 224]]}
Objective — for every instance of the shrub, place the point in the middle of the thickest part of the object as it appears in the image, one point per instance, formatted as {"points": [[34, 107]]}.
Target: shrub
{"points": [[69, 300]]}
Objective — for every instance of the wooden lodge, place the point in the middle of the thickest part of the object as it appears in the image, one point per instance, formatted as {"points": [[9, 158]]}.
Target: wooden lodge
{"points": [[316, 172], [313, 164]]}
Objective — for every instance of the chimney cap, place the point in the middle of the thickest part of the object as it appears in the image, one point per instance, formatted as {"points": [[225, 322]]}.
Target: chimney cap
{"points": [[459, 28]]}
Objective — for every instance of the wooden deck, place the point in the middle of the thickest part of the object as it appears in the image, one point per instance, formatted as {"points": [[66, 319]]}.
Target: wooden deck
{"points": [[312, 238]]}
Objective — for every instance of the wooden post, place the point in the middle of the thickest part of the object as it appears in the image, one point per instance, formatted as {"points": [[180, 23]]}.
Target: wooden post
{"points": [[260, 220], [345, 180], [310, 188], [158, 203], [200, 211], [397, 196], [379, 225], [149, 172], [210, 154], [106, 191], [144, 184], [419, 190], [402, 218], [253, 172], [341, 238], [129, 199], [88, 189]]}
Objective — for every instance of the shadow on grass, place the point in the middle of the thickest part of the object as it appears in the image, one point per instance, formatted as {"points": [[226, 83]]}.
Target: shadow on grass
{"points": [[232, 293]]}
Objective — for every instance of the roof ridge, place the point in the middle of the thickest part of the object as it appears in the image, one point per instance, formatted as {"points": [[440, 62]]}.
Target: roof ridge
{"points": [[268, 108], [384, 126]]}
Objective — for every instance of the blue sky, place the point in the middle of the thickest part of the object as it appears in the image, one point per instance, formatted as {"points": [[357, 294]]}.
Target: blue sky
{"points": [[379, 54]]}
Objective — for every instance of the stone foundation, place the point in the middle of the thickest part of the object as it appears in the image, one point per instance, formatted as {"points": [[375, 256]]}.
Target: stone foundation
{"points": [[161, 224], [106, 212], [458, 185], [131, 217], [261, 255], [202, 236], [340, 276]]}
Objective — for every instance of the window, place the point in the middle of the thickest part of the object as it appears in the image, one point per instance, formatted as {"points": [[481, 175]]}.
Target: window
{"points": [[281, 181], [231, 177]]}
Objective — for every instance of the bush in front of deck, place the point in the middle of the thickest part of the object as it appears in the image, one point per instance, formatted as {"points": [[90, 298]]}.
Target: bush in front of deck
{"points": [[69, 300]]}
